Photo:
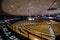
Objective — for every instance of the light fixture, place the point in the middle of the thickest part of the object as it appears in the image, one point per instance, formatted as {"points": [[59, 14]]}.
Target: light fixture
{"points": [[12, 6], [10, 10], [52, 9], [35, 39], [30, 4], [51, 6]]}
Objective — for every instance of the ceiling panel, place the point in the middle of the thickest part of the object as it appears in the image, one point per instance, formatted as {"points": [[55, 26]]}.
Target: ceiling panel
{"points": [[28, 7]]}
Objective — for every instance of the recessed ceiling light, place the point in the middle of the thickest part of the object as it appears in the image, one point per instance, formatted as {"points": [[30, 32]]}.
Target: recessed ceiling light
{"points": [[42, 14], [54, 3], [18, 11], [30, 4], [12, 6], [10, 10], [21, 8]]}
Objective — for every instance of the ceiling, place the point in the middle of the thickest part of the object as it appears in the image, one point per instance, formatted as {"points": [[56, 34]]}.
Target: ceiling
{"points": [[29, 7]]}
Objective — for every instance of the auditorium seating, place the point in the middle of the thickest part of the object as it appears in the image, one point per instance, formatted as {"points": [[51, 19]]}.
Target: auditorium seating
{"points": [[32, 29]]}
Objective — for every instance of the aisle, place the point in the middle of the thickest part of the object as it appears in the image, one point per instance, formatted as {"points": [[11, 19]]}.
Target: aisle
{"points": [[51, 32]]}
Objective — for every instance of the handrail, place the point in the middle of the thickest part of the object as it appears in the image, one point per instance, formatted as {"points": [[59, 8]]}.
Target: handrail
{"points": [[41, 35], [18, 29], [35, 29], [33, 34], [39, 31], [30, 30]]}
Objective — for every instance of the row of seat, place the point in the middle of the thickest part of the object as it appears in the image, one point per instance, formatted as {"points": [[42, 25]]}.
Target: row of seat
{"points": [[26, 34], [37, 28]]}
